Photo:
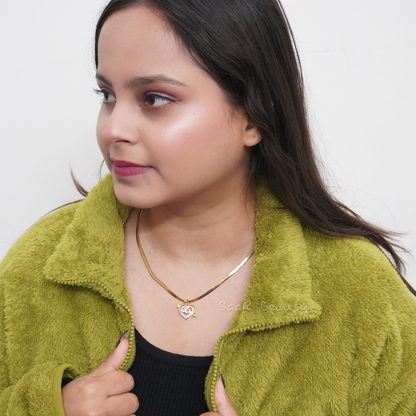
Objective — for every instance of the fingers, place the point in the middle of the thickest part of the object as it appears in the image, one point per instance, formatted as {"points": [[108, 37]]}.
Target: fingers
{"points": [[123, 404], [108, 394], [115, 360], [120, 405], [118, 382], [105, 391], [222, 401]]}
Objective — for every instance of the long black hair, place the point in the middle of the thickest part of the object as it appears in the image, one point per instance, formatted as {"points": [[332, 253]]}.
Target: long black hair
{"points": [[248, 48]]}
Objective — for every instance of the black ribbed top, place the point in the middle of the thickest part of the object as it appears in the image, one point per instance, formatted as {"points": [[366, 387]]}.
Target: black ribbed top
{"points": [[168, 384]]}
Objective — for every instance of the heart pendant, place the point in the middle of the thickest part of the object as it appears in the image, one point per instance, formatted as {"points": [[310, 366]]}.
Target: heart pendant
{"points": [[187, 310]]}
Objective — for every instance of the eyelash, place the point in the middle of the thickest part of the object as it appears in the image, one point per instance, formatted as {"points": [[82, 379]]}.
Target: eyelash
{"points": [[105, 94]]}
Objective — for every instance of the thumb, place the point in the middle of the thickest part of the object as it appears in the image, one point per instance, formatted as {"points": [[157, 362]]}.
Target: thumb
{"points": [[115, 360], [222, 401]]}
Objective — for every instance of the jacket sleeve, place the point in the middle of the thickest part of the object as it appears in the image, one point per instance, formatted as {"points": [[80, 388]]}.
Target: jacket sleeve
{"points": [[384, 369], [28, 389], [38, 392]]}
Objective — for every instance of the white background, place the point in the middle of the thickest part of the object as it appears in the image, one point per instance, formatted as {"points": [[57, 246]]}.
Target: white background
{"points": [[359, 60]]}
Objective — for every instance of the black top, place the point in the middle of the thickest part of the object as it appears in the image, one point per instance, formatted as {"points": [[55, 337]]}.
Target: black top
{"points": [[168, 384]]}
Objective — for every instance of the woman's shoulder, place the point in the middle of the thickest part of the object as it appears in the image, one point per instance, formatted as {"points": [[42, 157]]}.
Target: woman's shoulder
{"points": [[348, 257], [355, 274]]}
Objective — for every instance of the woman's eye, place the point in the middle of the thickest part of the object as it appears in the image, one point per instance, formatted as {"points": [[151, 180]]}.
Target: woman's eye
{"points": [[107, 97], [156, 100]]}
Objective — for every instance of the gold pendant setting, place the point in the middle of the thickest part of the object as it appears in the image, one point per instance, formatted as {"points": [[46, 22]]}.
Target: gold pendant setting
{"points": [[186, 310]]}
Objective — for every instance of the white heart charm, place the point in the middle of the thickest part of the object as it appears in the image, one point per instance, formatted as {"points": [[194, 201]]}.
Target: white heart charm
{"points": [[186, 311]]}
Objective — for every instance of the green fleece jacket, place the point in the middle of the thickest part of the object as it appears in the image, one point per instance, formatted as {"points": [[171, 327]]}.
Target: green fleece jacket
{"points": [[327, 326]]}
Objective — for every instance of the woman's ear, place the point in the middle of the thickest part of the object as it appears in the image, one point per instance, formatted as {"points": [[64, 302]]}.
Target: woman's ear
{"points": [[252, 135]]}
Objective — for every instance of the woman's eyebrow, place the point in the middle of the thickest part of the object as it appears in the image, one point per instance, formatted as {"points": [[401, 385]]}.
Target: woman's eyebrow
{"points": [[102, 78], [140, 81]]}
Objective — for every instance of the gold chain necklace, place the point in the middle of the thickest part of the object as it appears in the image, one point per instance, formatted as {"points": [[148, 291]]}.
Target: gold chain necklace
{"points": [[186, 310]]}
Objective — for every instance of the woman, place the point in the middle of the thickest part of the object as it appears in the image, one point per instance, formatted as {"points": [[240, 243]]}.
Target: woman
{"points": [[203, 128]]}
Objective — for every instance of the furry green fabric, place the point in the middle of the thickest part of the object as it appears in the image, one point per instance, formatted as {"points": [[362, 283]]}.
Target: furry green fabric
{"points": [[327, 326]]}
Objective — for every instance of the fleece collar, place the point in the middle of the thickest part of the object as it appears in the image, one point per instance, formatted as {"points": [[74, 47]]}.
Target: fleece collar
{"points": [[280, 288], [91, 251]]}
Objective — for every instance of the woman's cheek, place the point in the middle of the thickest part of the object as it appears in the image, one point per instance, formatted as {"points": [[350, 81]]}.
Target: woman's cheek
{"points": [[179, 138], [195, 131], [99, 133]]}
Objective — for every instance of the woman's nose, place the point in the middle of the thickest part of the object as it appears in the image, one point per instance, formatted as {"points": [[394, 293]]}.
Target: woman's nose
{"points": [[121, 125]]}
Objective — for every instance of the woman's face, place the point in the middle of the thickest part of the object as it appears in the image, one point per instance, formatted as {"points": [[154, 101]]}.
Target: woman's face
{"points": [[165, 129]]}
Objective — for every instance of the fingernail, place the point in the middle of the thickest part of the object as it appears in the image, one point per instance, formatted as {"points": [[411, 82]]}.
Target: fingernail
{"points": [[222, 379], [125, 335]]}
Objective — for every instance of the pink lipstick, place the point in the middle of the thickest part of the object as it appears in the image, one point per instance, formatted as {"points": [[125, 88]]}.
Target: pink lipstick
{"points": [[124, 169]]}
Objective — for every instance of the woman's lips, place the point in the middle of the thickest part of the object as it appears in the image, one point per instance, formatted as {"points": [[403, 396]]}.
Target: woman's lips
{"points": [[124, 169]]}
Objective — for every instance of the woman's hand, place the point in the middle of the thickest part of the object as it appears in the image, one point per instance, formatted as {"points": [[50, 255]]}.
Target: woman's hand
{"points": [[105, 391], [222, 401]]}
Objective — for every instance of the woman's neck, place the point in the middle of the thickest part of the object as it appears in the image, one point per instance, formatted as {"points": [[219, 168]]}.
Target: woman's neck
{"points": [[197, 233]]}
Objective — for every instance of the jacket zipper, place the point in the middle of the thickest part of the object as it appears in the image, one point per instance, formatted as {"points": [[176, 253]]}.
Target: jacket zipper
{"points": [[90, 284], [236, 331]]}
